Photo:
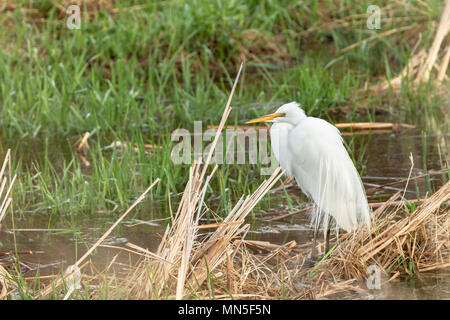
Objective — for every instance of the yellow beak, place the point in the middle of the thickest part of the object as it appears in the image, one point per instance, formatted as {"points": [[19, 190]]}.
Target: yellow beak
{"points": [[266, 118]]}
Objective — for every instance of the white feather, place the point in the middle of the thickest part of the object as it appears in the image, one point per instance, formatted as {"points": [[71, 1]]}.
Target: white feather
{"points": [[311, 150]]}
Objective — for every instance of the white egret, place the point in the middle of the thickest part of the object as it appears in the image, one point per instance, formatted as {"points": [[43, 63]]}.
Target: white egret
{"points": [[311, 150]]}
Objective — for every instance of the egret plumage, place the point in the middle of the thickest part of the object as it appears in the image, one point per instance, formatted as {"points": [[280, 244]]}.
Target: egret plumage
{"points": [[312, 150]]}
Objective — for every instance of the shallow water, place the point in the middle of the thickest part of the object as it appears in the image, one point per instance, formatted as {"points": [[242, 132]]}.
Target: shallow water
{"points": [[387, 159]]}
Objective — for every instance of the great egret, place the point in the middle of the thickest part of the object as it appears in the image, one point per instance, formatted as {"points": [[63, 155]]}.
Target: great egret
{"points": [[311, 150]]}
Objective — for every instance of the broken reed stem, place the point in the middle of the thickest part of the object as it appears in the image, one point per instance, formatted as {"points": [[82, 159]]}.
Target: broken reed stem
{"points": [[377, 36], [222, 123], [443, 29], [189, 241], [7, 196], [350, 125], [421, 64], [213, 250], [385, 238], [372, 190], [348, 21], [107, 233], [178, 240], [444, 65]]}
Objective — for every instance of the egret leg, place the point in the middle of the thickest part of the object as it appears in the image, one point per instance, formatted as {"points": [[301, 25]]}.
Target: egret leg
{"points": [[327, 236], [313, 251], [316, 230], [327, 241]]}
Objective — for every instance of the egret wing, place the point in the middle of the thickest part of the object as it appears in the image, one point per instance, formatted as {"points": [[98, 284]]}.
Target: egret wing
{"points": [[325, 172]]}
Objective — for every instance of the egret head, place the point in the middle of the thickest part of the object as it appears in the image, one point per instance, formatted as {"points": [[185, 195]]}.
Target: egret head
{"points": [[289, 113]]}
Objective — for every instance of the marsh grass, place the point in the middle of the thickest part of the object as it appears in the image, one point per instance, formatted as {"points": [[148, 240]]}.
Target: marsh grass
{"points": [[137, 71], [401, 244]]}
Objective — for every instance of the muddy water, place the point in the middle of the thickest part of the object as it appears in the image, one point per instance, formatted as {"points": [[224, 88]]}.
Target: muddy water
{"points": [[387, 158], [50, 251]]}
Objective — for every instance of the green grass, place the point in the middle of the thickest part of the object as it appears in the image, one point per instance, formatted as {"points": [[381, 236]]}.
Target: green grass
{"points": [[137, 75]]}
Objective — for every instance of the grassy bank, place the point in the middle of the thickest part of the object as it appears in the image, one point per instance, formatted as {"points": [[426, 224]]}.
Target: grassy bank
{"points": [[137, 70]]}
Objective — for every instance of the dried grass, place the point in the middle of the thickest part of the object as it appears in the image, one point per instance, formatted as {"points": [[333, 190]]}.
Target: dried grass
{"points": [[419, 68], [6, 184], [419, 241], [239, 268]]}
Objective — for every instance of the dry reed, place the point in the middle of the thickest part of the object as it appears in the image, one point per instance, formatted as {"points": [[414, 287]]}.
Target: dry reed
{"points": [[241, 269], [186, 260], [5, 186], [398, 244], [420, 66]]}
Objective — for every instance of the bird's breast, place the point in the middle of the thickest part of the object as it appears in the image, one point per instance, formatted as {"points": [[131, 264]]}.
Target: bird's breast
{"points": [[279, 140]]}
